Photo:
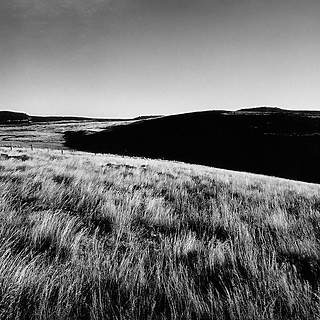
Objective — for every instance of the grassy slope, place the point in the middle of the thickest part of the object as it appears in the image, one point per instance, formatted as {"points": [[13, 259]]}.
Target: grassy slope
{"points": [[45, 134], [104, 237]]}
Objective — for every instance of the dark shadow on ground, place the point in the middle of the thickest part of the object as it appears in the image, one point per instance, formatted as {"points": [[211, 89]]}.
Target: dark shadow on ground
{"points": [[268, 141]]}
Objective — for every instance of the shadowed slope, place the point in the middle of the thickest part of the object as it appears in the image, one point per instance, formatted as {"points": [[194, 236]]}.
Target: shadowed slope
{"points": [[13, 117], [284, 144]]}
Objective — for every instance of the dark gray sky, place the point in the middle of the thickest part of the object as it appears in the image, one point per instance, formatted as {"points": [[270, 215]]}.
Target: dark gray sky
{"points": [[129, 57]]}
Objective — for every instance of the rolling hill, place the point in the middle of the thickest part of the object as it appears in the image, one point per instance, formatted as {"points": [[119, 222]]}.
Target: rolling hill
{"points": [[269, 141]]}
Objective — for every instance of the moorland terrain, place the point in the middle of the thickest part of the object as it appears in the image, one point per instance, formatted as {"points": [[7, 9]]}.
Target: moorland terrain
{"points": [[86, 236], [22, 130], [100, 236]]}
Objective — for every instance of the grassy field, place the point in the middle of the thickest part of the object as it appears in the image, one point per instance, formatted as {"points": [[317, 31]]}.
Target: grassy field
{"points": [[47, 134], [104, 237]]}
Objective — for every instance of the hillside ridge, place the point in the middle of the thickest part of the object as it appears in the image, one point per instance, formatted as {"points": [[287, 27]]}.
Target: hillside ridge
{"points": [[283, 144]]}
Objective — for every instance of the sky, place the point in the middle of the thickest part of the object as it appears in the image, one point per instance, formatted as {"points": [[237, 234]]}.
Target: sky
{"points": [[124, 58]]}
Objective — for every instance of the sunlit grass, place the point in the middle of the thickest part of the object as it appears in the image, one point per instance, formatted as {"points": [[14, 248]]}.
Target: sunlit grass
{"points": [[105, 237]]}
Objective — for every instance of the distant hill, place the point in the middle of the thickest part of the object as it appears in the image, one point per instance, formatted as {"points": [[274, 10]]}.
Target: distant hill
{"points": [[7, 117], [13, 117], [263, 109], [18, 117], [284, 144], [68, 118], [146, 117]]}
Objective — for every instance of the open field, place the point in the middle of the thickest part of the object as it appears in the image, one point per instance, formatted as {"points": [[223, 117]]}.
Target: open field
{"points": [[46, 134], [87, 236]]}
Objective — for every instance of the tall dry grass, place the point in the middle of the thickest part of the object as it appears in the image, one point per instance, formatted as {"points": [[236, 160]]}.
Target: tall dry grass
{"points": [[105, 237]]}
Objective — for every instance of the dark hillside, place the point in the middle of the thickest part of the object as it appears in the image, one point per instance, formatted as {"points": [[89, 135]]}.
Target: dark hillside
{"points": [[284, 144], [263, 109], [13, 117]]}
